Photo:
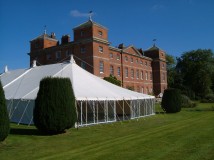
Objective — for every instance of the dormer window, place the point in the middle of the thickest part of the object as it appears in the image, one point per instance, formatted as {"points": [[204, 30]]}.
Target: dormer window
{"points": [[100, 33]]}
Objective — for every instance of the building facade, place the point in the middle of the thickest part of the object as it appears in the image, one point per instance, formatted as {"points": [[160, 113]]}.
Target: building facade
{"points": [[141, 71]]}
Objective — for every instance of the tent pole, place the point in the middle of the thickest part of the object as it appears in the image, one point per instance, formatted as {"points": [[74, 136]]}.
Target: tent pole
{"points": [[77, 114], [81, 112], [97, 113], [123, 109], [115, 115], [86, 113], [94, 112], [107, 110]]}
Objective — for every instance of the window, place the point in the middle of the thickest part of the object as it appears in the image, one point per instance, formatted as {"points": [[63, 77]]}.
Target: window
{"points": [[163, 76], [147, 90], [141, 62], [58, 55], [111, 55], [145, 63], [137, 74], [118, 57], [100, 49], [101, 67], [141, 74], [151, 90], [151, 76], [142, 89], [83, 65], [126, 58], [138, 89], [131, 60], [118, 71], [132, 73], [100, 33], [48, 56], [146, 75], [112, 70], [136, 60], [83, 49], [67, 53], [126, 72], [163, 65], [82, 33]]}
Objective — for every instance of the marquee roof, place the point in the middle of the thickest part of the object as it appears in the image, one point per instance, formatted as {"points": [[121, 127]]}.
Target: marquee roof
{"points": [[24, 83]]}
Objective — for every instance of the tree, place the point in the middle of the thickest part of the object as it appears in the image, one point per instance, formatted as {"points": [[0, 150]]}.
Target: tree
{"points": [[171, 101], [113, 80], [54, 106], [197, 68], [171, 72], [4, 118]]}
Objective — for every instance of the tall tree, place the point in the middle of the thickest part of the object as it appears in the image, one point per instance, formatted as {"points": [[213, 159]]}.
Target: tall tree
{"points": [[171, 73], [197, 69], [4, 118]]}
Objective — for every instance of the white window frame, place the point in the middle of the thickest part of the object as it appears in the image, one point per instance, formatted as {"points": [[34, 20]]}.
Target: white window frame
{"points": [[126, 72], [100, 49], [101, 67], [118, 71], [137, 74], [111, 55], [132, 73], [111, 70]]}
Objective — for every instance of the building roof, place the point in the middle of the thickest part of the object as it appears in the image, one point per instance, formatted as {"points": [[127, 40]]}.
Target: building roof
{"points": [[45, 36], [89, 23], [154, 48]]}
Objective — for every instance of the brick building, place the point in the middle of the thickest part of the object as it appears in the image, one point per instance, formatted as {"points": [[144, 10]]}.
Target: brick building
{"points": [[142, 71]]}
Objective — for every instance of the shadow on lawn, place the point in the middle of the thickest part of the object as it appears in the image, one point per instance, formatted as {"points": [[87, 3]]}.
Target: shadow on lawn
{"points": [[160, 112], [23, 131]]}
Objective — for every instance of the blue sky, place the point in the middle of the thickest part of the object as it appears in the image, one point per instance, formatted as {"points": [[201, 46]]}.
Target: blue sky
{"points": [[178, 25]]}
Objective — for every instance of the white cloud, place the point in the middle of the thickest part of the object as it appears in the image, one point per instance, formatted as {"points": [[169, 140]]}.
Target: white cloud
{"points": [[157, 7], [76, 13]]}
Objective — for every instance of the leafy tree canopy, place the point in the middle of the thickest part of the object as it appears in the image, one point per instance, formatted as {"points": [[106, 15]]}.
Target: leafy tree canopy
{"points": [[197, 69]]}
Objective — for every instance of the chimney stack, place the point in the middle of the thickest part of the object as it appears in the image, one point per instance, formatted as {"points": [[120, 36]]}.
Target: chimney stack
{"points": [[65, 39], [53, 35]]}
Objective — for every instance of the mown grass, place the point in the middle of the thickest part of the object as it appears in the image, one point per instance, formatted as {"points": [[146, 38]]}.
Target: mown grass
{"points": [[188, 135]]}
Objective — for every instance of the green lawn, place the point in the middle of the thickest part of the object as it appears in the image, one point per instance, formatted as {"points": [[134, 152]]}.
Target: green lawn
{"points": [[188, 135]]}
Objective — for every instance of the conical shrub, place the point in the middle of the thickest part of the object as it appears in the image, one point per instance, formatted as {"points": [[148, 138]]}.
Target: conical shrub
{"points": [[54, 106], [4, 118], [171, 101]]}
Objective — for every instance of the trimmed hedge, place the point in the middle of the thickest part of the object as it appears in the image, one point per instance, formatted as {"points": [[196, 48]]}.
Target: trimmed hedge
{"points": [[4, 118], [171, 101], [54, 106]]}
